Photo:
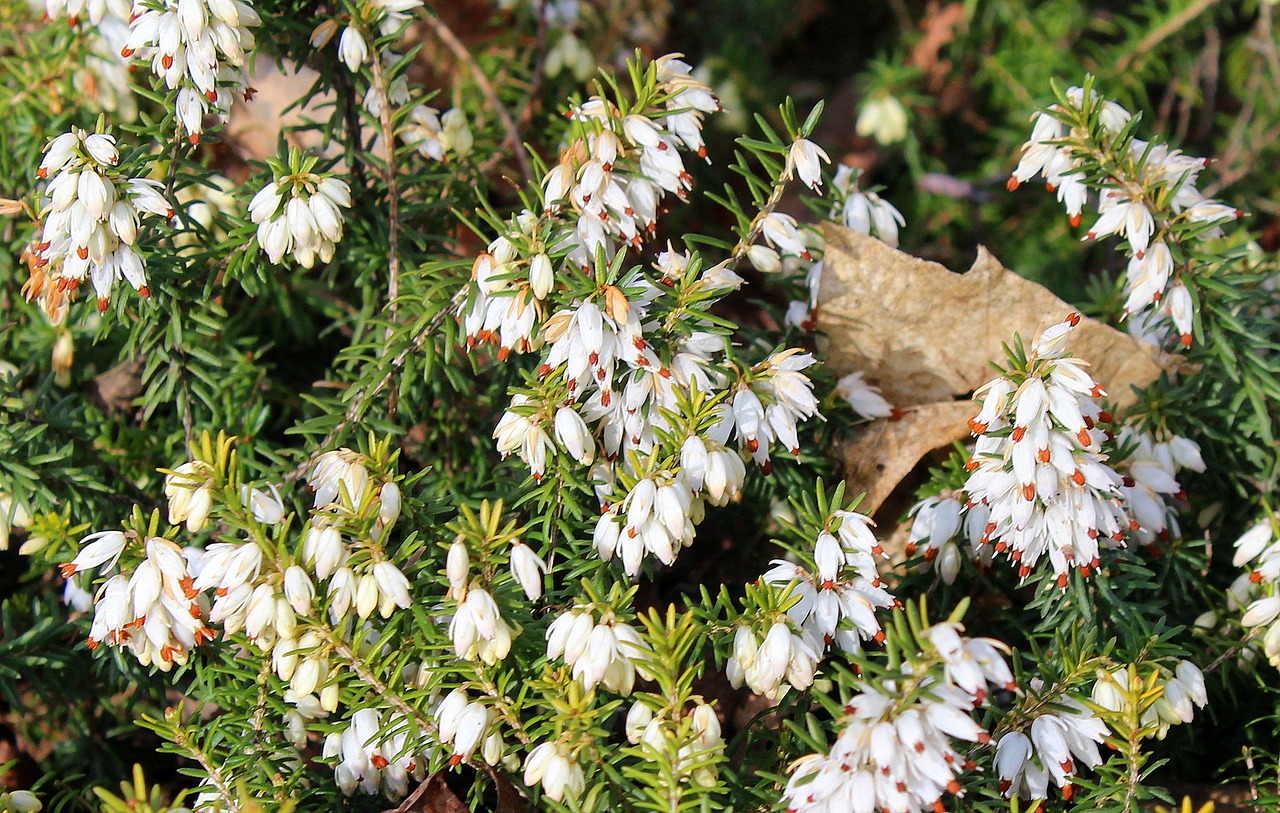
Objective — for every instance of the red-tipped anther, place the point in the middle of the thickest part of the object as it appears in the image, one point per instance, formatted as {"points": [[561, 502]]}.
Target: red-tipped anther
{"points": [[911, 548], [68, 569], [166, 61], [42, 173], [82, 252], [102, 304], [1012, 184], [878, 637], [766, 468], [1127, 482], [1068, 790], [1083, 437], [895, 414], [211, 95], [876, 549], [1062, 580], [1074, 220], [1051, 187], [1019, 432], [1029, 491], [1024, 571], [378, 761], [1186, 339], [1078, 477], [194, 138], [753, 444], [1106, 417], [1043, 455], [126, 52], [144, 292]]}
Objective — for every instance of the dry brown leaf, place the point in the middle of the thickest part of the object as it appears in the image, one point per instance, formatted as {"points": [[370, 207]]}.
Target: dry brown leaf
{"points": [[432, 796], [888, 450], [925, 334], [115, 389]]}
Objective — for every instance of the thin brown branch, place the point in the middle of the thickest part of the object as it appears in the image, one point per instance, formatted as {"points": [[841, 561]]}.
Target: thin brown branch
{"points": [[460, 51], [1170, 27], [381, 88], [357, 405]]}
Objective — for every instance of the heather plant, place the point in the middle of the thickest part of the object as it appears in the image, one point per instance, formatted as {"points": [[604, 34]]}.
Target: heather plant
{"points": [[474, 443]]}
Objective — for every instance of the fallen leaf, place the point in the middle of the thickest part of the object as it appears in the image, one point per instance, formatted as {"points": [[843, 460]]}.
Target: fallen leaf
{"points": [[888, 450], [925, 334], [432, 796]]}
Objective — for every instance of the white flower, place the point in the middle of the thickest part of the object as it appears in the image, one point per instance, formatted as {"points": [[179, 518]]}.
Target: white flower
{"points": [[189, 490], [527, 569], [339, 473], [884, 118], [91, 221], [603, 653], [266, 508], [865, 398], [199, 48], [889, 755], [301, 215], [1044, 483], [804, 159], [551, 765]]}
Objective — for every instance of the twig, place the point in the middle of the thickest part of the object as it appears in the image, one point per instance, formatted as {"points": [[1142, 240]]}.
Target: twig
{"points": [[373, 682], [1171, 26], [357, 406], [224, 790], [393, 217], [460, 51]]}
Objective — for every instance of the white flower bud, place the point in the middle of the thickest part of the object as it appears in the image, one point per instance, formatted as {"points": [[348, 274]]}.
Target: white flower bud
{"points": [[527, 569]]}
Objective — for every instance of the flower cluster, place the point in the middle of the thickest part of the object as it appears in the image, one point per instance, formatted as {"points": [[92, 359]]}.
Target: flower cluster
{"points": [[377, 755], [838, 599], [605, 653], [359, 575], [91, 220], [96, 10], [1150, 473], [935, 530], [300, 212], [702, 738], [1260, 545], [603, 193], [1050, 747], [897, 749], [152, 611], [1039, 478], [1147, 195], [553, 766], [1182, 691], [199, 48], [437, 136], [468, 726]]}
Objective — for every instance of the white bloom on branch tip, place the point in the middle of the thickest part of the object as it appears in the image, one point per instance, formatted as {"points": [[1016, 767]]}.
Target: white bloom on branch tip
{"points": [[804, 159]]}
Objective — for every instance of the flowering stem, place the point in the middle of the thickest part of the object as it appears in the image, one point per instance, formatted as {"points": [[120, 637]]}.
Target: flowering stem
{"points": [[220, 783], [357, 404], [342, 650], [380, 87]]}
